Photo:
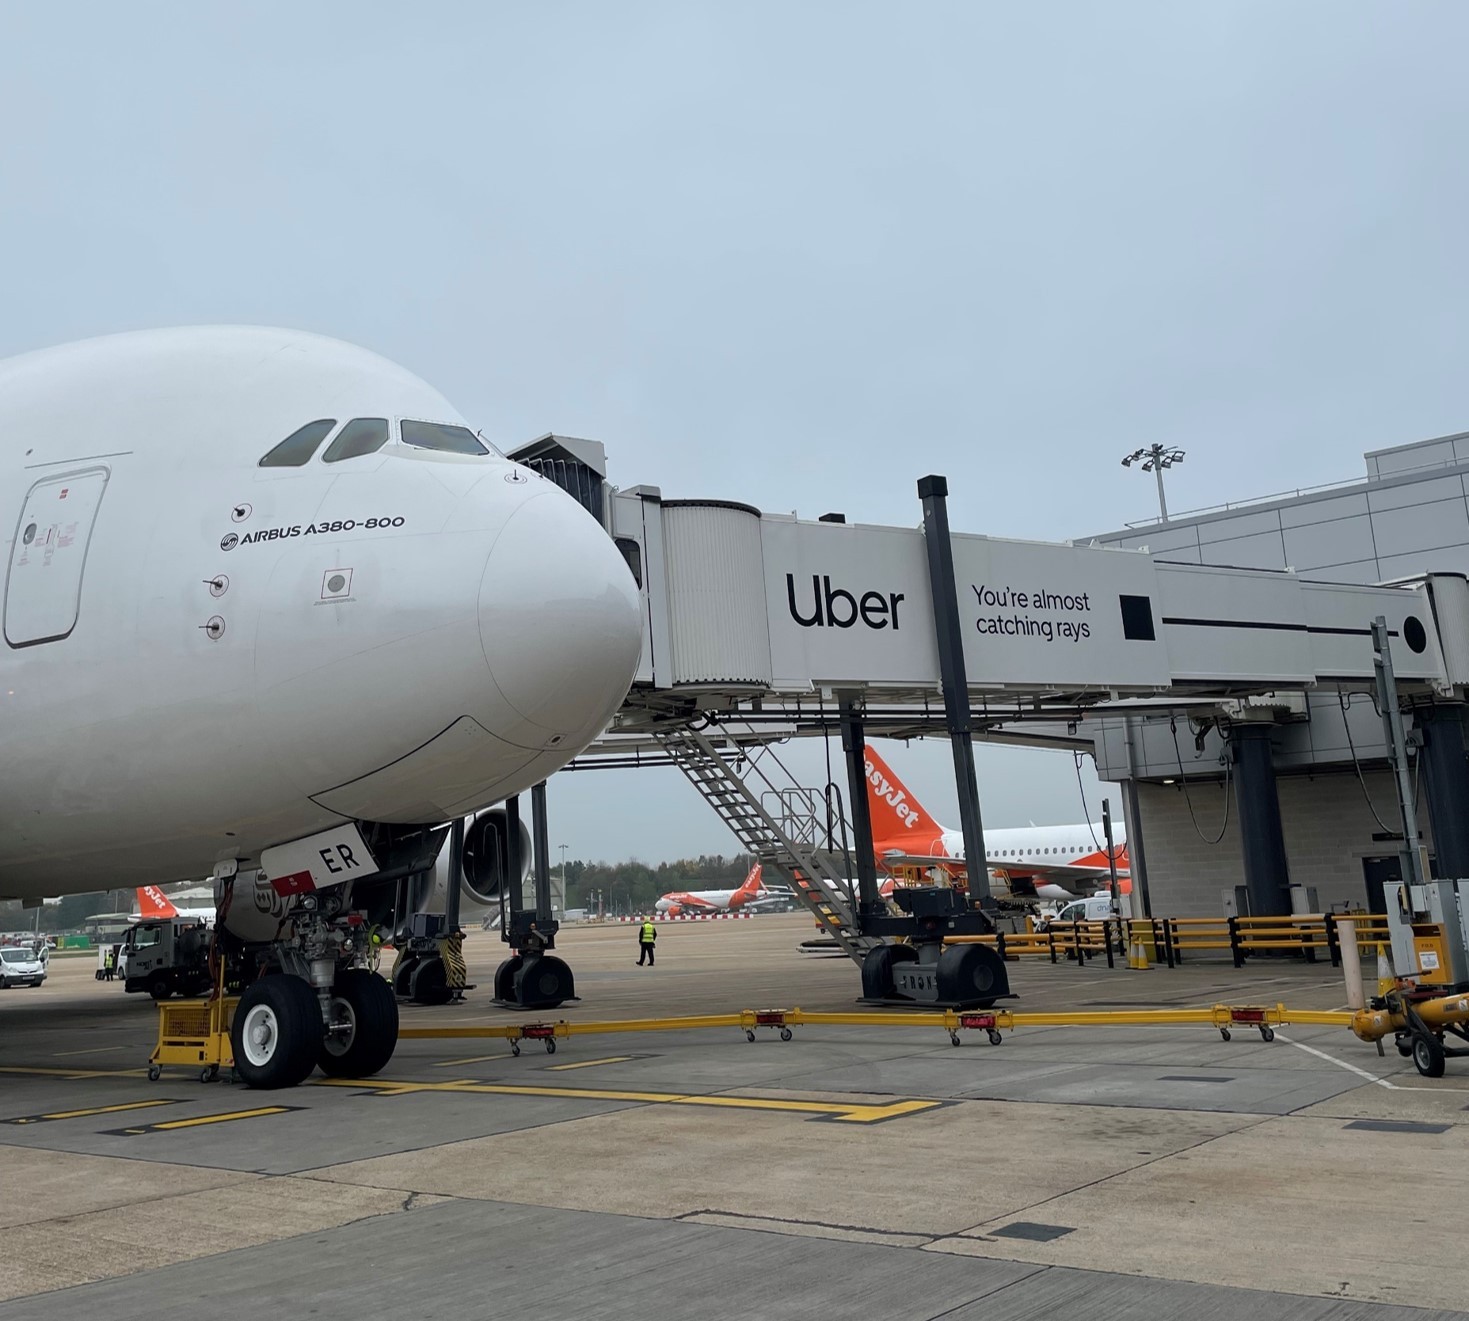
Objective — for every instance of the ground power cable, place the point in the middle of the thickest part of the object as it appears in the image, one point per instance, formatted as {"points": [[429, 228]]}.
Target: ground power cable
{"points": [[1183, 784], [1357, 766]]}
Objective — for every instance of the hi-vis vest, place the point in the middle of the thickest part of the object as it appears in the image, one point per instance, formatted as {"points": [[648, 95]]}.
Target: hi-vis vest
{"points": [[648, 934]]}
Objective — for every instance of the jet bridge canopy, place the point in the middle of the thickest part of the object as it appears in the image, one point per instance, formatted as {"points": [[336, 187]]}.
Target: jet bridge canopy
{"points": [[783, 609]]}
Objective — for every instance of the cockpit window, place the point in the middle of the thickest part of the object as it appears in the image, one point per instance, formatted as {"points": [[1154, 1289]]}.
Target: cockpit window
{"points": [[362, 435], [441, 436], [299, 446]]}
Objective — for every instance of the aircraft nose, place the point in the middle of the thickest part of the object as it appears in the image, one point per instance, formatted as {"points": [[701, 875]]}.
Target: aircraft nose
{"points": [[559, 619]]}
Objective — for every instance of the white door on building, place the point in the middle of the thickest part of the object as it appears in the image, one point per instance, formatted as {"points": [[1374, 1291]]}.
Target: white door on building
{"points": [[43, 587]]}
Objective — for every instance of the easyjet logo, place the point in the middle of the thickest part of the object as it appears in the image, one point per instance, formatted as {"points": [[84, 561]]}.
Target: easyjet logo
{"points": [[892, 796]]}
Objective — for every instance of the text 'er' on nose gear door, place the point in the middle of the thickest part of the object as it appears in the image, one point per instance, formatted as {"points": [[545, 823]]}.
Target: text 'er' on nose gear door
{"points": [[43, 585]]}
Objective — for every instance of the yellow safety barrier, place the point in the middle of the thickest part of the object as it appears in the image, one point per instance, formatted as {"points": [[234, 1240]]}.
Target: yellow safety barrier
{"points": [[994, 1022]]}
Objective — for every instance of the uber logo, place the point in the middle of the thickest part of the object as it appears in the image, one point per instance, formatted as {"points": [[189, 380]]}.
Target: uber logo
{"points": [[837, 608]]}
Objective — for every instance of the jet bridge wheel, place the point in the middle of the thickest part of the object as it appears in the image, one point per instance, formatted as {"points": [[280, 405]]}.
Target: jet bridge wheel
{"points": [[877, 969], [277, 1032], [430, 985], [366, 1003]]}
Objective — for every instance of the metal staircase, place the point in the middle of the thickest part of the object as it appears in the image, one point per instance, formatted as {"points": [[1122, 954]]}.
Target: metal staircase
{"points": [[792, 854]]}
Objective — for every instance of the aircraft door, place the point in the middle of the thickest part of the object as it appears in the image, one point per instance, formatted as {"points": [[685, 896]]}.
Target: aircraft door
{"points": [[43, 586]]}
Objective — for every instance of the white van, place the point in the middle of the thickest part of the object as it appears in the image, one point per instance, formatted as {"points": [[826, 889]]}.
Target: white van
{"points": [[1094, 908]]}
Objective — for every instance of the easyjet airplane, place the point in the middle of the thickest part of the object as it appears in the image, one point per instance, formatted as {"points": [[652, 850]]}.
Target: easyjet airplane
{"points": [[713, 901], [1036, 862], [153, 903], [274, 609]]}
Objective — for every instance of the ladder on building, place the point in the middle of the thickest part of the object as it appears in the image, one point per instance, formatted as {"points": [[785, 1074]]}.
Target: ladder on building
{"points": [[803, 866]]}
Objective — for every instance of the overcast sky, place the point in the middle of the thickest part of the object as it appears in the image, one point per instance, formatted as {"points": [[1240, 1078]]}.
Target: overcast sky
{"points": [[791, 254]]}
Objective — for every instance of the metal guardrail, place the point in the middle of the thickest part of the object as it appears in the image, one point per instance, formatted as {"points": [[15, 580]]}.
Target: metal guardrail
{"points": [[1168, 939]]}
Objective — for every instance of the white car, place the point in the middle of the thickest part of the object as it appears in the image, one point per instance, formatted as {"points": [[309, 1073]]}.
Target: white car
{"points": [[20, 967]]}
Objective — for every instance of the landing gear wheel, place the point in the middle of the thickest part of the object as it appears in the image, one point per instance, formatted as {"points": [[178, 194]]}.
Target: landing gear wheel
{"points": [[1267, 1034], [276, 1033], [995, 1037], [431, 983], [1224, 1033], [786, 1034], [749, 1036], [155, 1072], [160, 988], [365, 1002], [1428, 1056], [550, 1045]]}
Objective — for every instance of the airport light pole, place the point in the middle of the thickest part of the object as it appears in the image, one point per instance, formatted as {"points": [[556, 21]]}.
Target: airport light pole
{"points": [[1154, 459]]}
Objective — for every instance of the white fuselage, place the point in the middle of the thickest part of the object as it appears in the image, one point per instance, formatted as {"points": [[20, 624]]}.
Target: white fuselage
{"points": [[204, 657]]}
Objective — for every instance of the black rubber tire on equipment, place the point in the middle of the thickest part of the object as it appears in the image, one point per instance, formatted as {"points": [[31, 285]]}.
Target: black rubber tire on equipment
{"points": [[971, 975], [375, 1013], [505, 979], [1428, 1056], [877, 969], [431, 982], [403, 978], [297, 1016], [543, 983], [160, 988]]}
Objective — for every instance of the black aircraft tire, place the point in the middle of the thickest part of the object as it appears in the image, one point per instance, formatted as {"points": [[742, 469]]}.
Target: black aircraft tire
{"points": [[430, 982], [276, 1033], [373, 1009]]}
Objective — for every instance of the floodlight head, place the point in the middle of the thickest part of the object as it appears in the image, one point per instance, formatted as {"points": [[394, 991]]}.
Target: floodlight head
{"points": [[1127, 462], [1148, 466]]}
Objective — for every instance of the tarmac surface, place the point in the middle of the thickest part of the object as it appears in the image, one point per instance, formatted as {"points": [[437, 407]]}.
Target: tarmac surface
{"points": [[1114, 1172]]}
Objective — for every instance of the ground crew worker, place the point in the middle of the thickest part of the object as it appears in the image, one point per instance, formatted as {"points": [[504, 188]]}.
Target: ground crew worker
{"points": [[109, 963], [374, 948], [647, 935], [456, 974]]}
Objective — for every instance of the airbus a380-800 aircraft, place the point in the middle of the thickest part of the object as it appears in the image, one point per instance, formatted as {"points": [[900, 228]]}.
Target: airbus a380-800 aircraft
{"points": [[271, 603]]}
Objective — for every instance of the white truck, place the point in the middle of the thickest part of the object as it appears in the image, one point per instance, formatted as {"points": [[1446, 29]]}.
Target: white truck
{"points": [[166, 956]]}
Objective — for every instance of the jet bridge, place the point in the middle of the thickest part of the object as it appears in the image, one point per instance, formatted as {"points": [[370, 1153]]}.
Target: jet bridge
{"points": [[760, 626]]}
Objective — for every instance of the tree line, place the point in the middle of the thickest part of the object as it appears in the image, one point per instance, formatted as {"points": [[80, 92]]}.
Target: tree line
{"points": [[634, 886]]}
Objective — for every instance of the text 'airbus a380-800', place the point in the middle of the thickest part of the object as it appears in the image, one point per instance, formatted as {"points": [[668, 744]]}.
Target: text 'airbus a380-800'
{"points": [[273, 609]]}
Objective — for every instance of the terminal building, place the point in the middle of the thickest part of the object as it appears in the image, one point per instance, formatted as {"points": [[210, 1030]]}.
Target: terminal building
{"points": [[1338, 805]]}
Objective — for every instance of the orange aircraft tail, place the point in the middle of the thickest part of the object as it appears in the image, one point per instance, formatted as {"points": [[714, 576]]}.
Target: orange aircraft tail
{"points": [[152, 902], [896, 814], [749, 890]]}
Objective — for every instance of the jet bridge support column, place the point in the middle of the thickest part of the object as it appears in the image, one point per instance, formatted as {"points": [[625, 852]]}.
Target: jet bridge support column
{"points": [[934, 491], [1262, 838], [1446, 776], [854, 745]]}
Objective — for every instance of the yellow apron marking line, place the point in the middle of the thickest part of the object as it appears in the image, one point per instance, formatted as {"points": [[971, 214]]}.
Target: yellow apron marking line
{"points": [[74, 1074], [473, 1059], [841, 1113], [91, 1050], [587, 1064], [172, 1125], [83, 1114]]}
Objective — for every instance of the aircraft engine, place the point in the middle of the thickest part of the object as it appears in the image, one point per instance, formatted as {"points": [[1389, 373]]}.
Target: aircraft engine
{"points": [[486, 843]]}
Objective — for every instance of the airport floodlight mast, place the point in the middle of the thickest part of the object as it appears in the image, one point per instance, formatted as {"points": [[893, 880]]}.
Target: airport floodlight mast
{"points": [[1154, 459]]}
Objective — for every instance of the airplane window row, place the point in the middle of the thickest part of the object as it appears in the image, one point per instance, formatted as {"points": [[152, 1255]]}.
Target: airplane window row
{"points": [[367, 435]]}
